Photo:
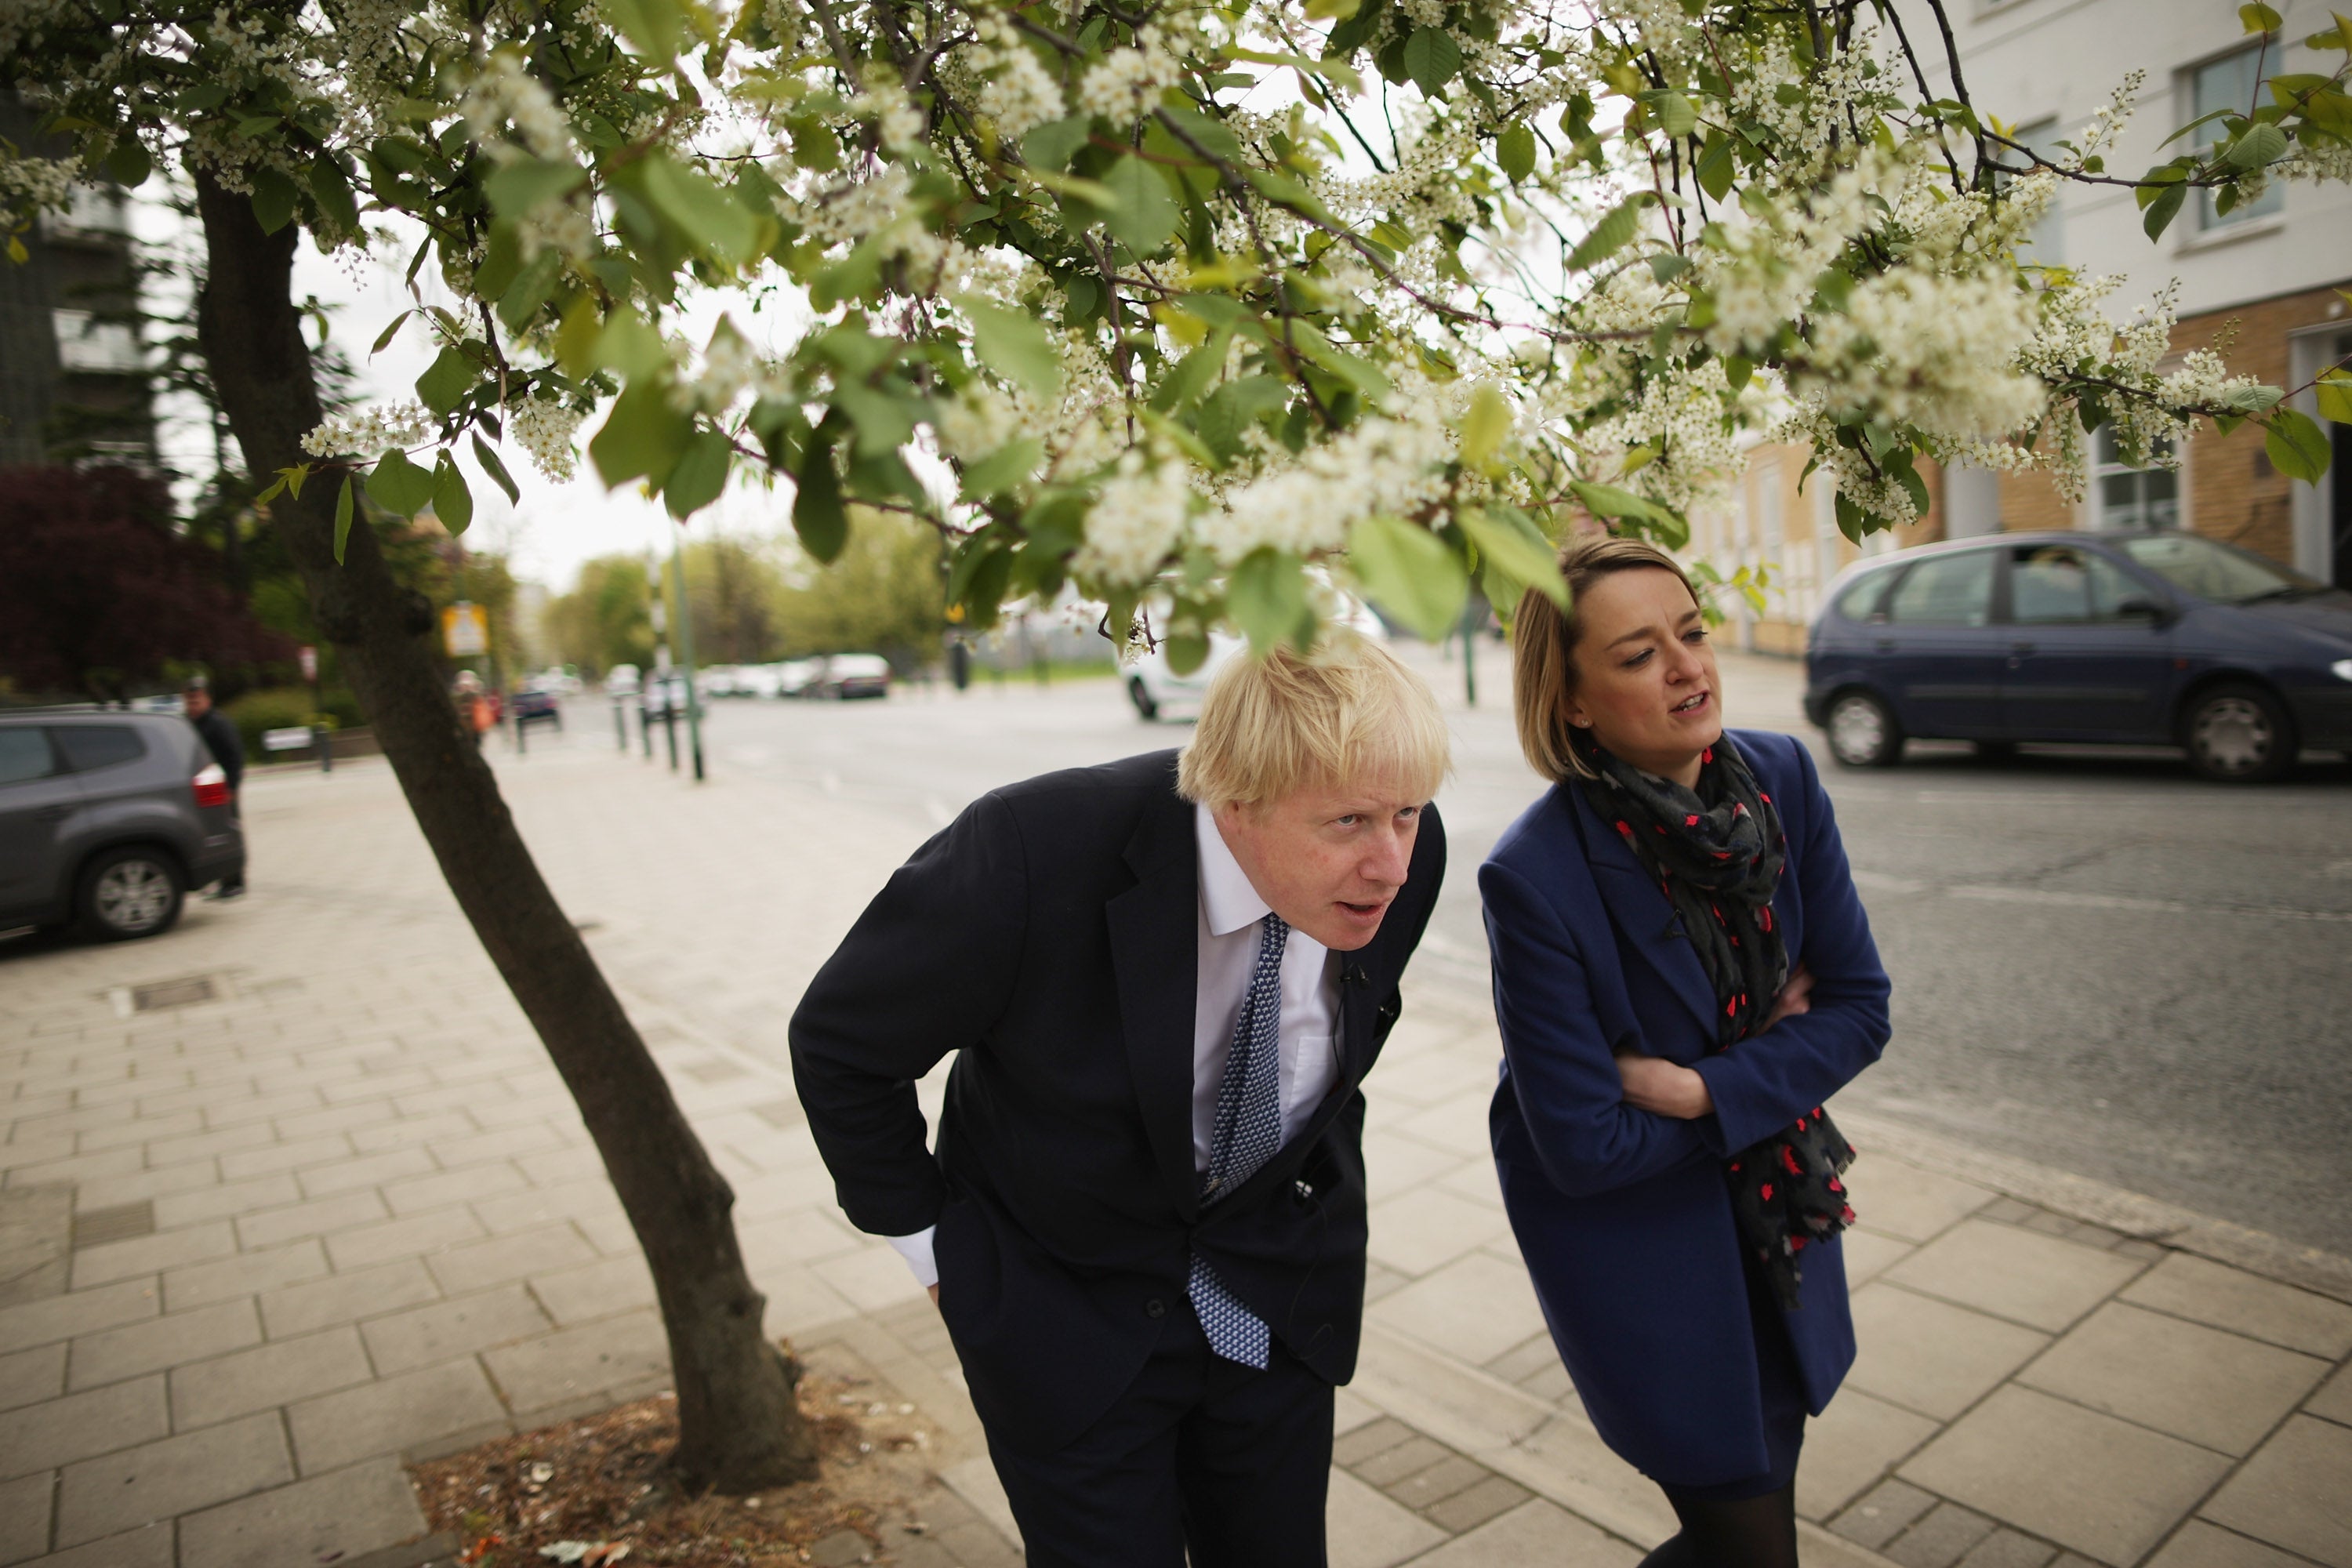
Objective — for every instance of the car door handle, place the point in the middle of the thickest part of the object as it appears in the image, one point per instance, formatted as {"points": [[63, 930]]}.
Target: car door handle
{"points": [[2019, 652]]}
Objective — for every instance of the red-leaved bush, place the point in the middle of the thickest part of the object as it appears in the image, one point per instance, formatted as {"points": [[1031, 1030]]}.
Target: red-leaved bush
{"points": [[97, 593]]}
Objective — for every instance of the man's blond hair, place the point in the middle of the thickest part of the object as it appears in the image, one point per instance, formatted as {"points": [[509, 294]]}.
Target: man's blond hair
{"points": [[1349, 713]]}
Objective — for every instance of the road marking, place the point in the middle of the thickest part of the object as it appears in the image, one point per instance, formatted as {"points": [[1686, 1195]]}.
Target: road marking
{"points": [[1992, 895]]}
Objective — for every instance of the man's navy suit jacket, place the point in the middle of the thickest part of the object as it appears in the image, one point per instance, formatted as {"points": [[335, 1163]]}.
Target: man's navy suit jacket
{"points": [[1049, 936], [1623, 1216]]}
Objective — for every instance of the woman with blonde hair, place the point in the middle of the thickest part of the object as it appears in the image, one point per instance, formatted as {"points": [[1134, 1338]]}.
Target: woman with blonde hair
{"points": [[1683, 975]]}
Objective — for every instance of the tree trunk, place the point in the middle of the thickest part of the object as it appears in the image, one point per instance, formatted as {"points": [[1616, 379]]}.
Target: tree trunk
{"points": [[738, 1426]]}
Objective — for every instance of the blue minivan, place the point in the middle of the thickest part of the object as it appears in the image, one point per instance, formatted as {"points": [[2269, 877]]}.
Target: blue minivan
{"points": [[2145, 638]]}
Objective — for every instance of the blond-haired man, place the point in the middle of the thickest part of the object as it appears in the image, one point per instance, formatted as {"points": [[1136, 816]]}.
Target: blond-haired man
{"points": [[1144, 1224]]}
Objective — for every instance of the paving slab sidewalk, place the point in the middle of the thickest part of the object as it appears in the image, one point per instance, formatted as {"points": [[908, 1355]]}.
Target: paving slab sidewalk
{"points": [[330, 1210]]}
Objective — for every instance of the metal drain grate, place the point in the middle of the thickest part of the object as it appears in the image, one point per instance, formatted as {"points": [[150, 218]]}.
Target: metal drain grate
{"points": [[172, 994]]}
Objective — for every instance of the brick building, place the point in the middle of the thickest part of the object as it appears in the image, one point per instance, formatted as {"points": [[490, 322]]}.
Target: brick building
{"points": [[2260, 284]]}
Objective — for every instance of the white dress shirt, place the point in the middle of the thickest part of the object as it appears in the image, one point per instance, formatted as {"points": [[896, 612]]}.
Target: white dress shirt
{"points": [[1232, 923]]}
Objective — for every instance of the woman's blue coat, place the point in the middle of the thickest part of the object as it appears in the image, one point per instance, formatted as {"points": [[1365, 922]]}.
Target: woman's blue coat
{"points": [[1623, 1216]]}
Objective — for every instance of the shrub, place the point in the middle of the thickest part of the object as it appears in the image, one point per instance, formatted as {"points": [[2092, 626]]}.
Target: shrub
{"points": [[283, 708]]}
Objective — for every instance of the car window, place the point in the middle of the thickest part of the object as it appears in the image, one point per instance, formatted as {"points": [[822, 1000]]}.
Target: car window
{"points": [[1945, 591], [1859, 599], [87, 747], [23, 754], [2213, 571], [2047, 583], [2111, 587]]}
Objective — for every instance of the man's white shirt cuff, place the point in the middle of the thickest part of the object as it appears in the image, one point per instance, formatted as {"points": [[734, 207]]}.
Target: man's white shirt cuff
{"points": [[916, 1251]]}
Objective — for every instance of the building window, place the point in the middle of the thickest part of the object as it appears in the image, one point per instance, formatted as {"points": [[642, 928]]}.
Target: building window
{"points": [[2046, 245], [2231, 82], [86, 343], [2126, 497]]}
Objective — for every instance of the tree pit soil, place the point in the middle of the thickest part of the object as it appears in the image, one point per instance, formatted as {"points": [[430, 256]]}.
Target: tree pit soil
{"points": [[602, 1483]]}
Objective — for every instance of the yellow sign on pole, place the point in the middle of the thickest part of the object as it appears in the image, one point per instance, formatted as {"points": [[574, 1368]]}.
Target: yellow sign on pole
{"points": [[465, 630]]}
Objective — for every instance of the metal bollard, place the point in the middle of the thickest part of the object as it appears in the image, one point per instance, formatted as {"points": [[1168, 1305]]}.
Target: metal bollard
{"points": [[620, 726], [324, 739]]}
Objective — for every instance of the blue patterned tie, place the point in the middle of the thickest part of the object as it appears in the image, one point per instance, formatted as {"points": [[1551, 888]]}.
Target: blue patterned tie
{"points": [[1245, 1135]]}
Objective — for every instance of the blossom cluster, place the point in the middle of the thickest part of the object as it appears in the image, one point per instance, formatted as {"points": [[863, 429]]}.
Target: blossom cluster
{"points": [[545, 430], [368, 431]]}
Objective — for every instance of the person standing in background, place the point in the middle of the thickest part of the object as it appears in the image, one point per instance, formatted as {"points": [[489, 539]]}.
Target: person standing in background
{"points": [[219, 737]]}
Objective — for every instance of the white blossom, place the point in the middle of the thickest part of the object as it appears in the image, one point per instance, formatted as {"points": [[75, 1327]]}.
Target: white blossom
{"points": [[371, 430], [545, 430], [1136, 523]]}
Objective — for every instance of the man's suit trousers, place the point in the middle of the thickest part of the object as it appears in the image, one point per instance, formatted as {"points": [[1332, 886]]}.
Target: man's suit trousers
{"points": [[1200, 1454]]}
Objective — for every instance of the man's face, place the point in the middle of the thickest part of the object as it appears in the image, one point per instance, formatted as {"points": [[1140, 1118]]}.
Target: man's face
{"points": [[198, 703], [1327, 858]]}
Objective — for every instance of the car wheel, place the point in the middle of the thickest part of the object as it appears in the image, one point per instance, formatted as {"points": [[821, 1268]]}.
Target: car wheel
{"points": [[1863, 731], [1140, 695], [2237, 734], [130, 893]]}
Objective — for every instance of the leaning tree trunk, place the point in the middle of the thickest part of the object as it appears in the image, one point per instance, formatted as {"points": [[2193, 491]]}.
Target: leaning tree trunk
{"points": [[738, 1426]]}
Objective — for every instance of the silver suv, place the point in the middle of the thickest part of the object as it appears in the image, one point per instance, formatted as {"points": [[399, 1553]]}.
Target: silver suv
{"points": [[108, 819]]}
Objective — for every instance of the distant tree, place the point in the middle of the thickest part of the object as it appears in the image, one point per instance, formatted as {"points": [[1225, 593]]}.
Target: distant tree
{"points": [[883, 593], [733, 584], [604, 620], [98, 594]]}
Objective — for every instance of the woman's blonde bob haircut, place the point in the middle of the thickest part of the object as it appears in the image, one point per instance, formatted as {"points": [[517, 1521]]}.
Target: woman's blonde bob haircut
{"points": [[1349, 714], [1543, 645]]}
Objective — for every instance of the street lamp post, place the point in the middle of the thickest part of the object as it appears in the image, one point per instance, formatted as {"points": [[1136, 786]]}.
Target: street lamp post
{"points": [[686, 649]]}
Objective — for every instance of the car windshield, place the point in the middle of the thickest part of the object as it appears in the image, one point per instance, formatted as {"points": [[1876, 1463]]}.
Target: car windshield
{"points": [[2222, 573]]}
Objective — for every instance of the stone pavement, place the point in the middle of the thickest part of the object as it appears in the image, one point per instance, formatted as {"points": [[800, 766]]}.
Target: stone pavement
{"points": [[292, 1194]]}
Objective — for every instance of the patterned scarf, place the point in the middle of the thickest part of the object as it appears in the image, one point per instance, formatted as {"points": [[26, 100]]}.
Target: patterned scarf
{"points": [[1717, 853]]}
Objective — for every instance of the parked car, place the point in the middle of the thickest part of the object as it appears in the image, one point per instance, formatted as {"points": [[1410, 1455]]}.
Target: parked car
{"points": [[2161, 638], [849, 675], [793, 676], [720, 680], [108, 820], [1158, 692], [537, 705], [622, 680], [667, 694]]}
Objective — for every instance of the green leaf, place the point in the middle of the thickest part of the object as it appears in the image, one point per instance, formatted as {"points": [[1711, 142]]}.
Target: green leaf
{"points": [[2298, 448], [1003, 468], [496, 469], [2335, 396], [643, 436], [129, 162], [1666, 267], [399, 485], [274, 197], [651, 26], [1192, 374], [1674, 113], [1609, 501], [342, 517], [1609, 235], [719, 226], [452, 499], [447, 381], [1207, 129], [1013, 344], [331, 189], [1431, 58], [2261, 145], [516, 188], [883, 423], [1511, 543], [384, 336], [1266, 595], [1050, 146], [1409, 573], [1146, 215], [818, 516], [2162, 208], [1715, 168], [2254, 399], [1515, 152], [1737, 371], [1483, 427], [2260, 19], [701, 474]]}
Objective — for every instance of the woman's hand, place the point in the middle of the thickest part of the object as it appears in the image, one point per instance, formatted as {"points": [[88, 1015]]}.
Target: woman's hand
{"points": [[1654, 1084], [1796, 997]]}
